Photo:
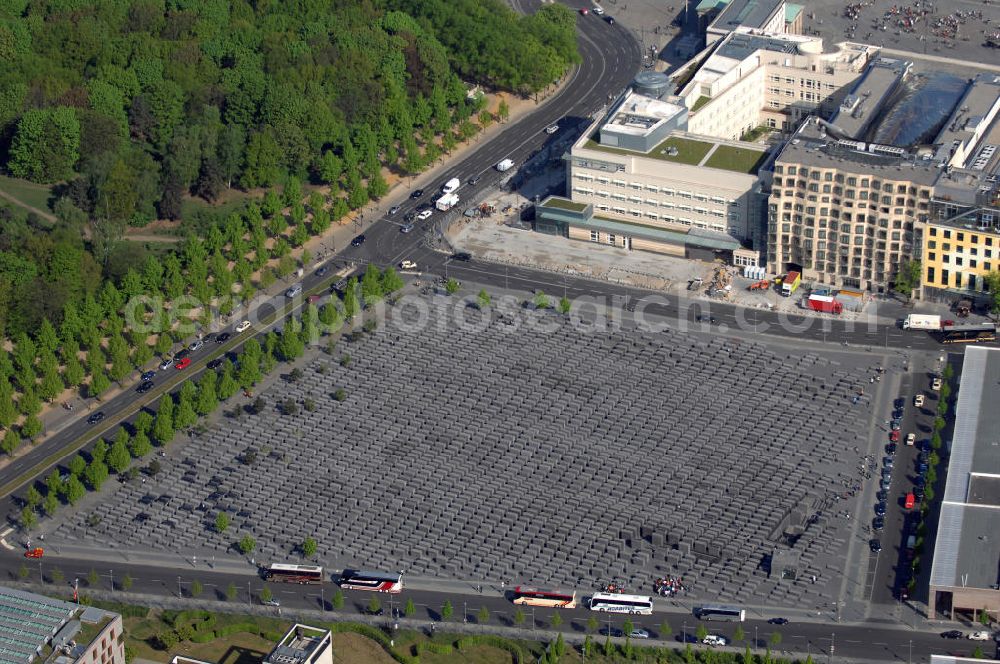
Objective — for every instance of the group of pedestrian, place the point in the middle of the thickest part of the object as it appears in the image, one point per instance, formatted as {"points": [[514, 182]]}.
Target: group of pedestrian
{"points": [[669, 586]]}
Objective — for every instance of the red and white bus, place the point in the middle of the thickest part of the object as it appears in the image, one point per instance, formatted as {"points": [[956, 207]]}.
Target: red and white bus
{"points": [[383, 582], [535, 597], [294, 573]]}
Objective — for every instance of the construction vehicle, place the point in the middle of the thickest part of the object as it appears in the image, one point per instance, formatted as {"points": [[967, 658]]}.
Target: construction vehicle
{"points": [[825, 304], [790, 283], [446, 202], [922, 322], [963, 308], [760, 285]]}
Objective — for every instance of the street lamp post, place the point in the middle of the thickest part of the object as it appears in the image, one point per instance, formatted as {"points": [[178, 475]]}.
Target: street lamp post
{"points": [[322, 599], [179, 593], [755, 637], [111, 573], [41, 579], [249, 595]]}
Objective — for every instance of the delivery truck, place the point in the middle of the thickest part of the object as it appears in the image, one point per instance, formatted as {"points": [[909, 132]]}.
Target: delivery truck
{"points": [[790, 283], [922, 322], [824, 303], [447, 202], [451, 186], [505, 165]]}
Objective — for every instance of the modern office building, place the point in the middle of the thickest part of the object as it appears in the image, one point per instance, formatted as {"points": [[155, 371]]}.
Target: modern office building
{"points": [[758, 15], [38, 628], [965, 574], [303, 644]]}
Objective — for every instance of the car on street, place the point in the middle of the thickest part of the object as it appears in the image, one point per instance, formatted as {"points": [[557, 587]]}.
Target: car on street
{"points": [[909, 501], [610, 631], [406, 228], [551, 129], [898, 414], [183, 364], [272, 602], [322, 271], [885, 483], [894, 436], [181, 354], [951, 634], [890, 448], [610, 20], [408, 265], [424, 214], [778, 621], [243, 327], [639, 634], [881, 495], [875, 546], [714, 640], [294, 291], [598, 10], [899, 402], [880, 509], [36, 552], [96, 417], [166, 364], [461, 256], [936, 384], [144, 387], [358, 241], [424, 206], [878, 523], [897, 424], [947, 323], [918, 400], [147, 375], [417, 193], [979, 636], [222, 338], [195, 345], [583, 11], [911, 438], [474, 180], [394, 209], [214, 364]]}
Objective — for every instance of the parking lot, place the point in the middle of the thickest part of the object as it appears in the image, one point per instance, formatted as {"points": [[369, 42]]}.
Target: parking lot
{"points": [[604, 456]]}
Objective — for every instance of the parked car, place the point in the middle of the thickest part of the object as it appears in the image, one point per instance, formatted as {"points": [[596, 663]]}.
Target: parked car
{"points": [[951, 634], [406, 228], [890, 448], [417, 193], [272, 602], [583, 11], [911, 438], [195, 345], [878, 523], [875, 545], [610, 20], [222, 338], [408, 265], [243, 327], [181, 354], [909, 501], [639, 634], [474, 180], [880, 509], [894, 436], [714, 640], [358, 241], [144, 387], [322, 271], [778, 621], [166, 364], [598, 10], [214, 364], [551, 129], [918, 400], [424, 214], [183, 364], [148, 375], [394, 209], [979, 636], [36, 552], [96, 417], [936, 384]]}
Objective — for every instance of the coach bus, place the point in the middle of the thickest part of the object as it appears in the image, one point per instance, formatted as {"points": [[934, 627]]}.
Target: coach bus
{"points": [[382, 582], [618, 603], [294, 573], [535, 597], [730, 613]]}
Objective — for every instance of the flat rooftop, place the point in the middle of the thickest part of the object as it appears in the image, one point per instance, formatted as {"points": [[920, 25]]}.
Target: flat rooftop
{"points": [[639, 115], [747, 13], [864, 105], [967, 551], [299, 646], [695, 152], [971, 121], [28, 621]]}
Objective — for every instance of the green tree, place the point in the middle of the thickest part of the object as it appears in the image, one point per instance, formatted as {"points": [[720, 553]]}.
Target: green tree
{"points": [[231, 592], [143, 421], [56, 575], [557, 620], [992, 283], [907, 278], [483, 616], [309, 547], [503, 111], [700, 633], [739, 634], [140, 445], [564, 305], [519, 617], [447, 611], [374, 605], [11, 441], [126, 582], [184, 415], [775, 639], [227, 383], [96, 474], [163, 426], [92, 578], [266, 595], [948, 373], [46, 145], [391, 281], [984, 617], [247, 544], [221, 522], [50, 504], [485, 118], [23, 572], [483, 299], [591, 624], [196, 588], [119, 457], [74, 490], [100, 451], [31, 427], [29, 517], [33, 497], [77, 465], [99, 384], [410, 609], [541, 300], [338, 600], [351, 306], [451, 286], [7, 411]]}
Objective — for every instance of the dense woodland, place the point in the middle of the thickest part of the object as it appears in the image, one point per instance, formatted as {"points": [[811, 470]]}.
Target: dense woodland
{"points": [[129, 108]]}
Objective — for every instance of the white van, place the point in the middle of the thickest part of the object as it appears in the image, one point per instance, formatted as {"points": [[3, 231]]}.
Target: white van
{"points": [[505, 165], [450, 186]]}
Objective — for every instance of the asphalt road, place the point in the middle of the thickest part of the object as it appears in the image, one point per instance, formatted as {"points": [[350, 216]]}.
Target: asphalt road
{"points": [[869, 642]]}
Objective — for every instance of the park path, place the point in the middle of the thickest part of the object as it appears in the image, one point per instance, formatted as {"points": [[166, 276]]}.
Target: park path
{"points": [[48, 216]]}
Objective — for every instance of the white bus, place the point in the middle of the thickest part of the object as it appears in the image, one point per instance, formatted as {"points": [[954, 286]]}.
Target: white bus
{"points": [[618, 603]]}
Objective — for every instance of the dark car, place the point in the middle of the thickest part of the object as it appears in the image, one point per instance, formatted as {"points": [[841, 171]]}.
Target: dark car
{"points": [[474, 180], [96, 417], [322, 271], [878, 523], [462, 256], [875, 546], [897, 414], [217, 362], [223, 338], [358, 241], [611, 631], [778, 621], [890, 448], [148, 375], [899, 403], [410, 217], [951, 634], [424, 206], [882, 495], [610, 20], [144, 387], [394, 209], [181, 354], [417, 193], [880, 509]]}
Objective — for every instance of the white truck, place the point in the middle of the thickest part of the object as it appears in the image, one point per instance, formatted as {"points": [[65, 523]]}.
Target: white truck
{"points": [[447, 202], [922, 322], [451, 186], [505, 165]]}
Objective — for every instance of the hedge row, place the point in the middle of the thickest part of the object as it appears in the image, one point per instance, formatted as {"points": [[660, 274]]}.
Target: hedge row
{"points": [[516, 651]]}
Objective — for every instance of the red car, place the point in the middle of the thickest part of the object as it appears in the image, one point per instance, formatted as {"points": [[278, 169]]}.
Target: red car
{"points": [[183, 364], [894, 436], [947, 323], [909, 501], [37, 552], [583, 12]]}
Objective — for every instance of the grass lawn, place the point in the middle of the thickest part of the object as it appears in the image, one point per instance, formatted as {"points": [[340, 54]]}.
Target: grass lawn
{"points": [[702, 100], [564, 204], [238, 648], [29, 193], [740, 160], [688, 151], [231, 201]]}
